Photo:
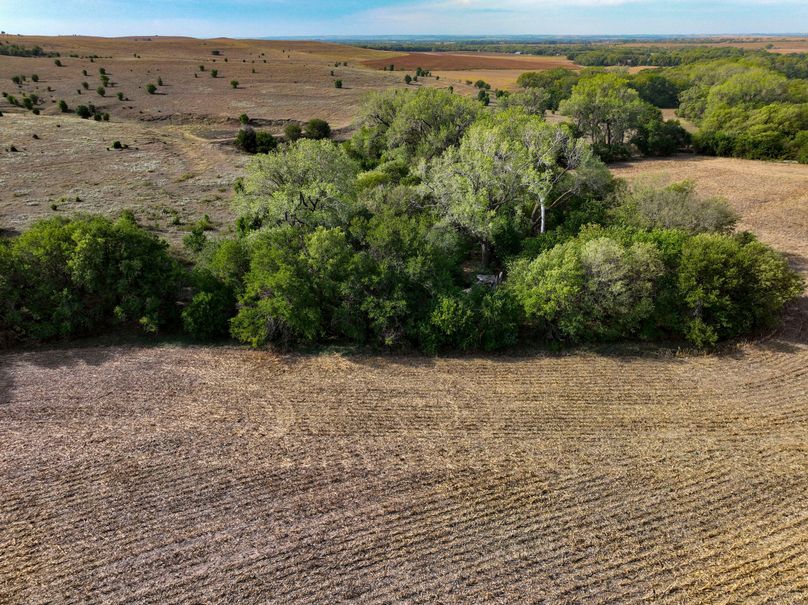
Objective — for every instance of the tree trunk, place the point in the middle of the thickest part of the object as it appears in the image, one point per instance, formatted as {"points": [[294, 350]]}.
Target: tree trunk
{"points": [[541, 230], [486, 253]]}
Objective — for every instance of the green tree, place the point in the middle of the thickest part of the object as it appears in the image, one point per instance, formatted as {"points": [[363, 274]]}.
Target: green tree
{"points": [[607, 111], [409, 125], [316, 129], [306, 184]]}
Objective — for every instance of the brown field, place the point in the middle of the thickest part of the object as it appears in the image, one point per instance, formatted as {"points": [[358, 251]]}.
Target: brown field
{"points": [[170, 177], [294, 84], [181, 163], [135, 474], [771, 197], [442, 61]]}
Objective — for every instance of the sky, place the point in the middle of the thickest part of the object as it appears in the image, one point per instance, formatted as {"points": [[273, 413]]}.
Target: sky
{"points": [[298, 18]]}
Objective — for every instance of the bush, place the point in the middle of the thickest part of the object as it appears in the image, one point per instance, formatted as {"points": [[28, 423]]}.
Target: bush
{"points": [[70, 278], [234, 83], [292, 132], [83, 111], [732, 285], [658, 138], [151, 88], [316, 129], [207, 316], [34, 78], [337, 83], [214, 73], [588, 289], [101, 91], [255, 142], [63, 106], [676, 206], [244, 119], [482, 319]]}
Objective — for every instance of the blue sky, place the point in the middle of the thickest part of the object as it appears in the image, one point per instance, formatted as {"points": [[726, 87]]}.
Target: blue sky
{"points": [[282, 18]]}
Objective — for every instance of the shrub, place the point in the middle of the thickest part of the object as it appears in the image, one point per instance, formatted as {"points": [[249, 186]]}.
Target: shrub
{"points": [[207, 317], [78, 277], [159, 81], [85, 85], [588, 288], [675, 206], [337, 83], [292, 132], [83, 111], [407, 79], [34, 78], [214, 73], [732, 285], [151, 88], [482, 319], [317, 129], [234, 83], [57, 62], [63, 106], [244, 119], [101, 91]]}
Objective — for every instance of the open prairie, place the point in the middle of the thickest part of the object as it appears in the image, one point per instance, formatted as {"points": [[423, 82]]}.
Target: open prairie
{"points": [[180, 163], [278, 81]]}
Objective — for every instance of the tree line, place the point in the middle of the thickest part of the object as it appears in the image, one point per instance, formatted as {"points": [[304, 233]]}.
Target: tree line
{"points": [[440, 226]]}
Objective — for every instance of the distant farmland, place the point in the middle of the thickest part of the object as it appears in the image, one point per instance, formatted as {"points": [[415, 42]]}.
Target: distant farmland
{"points": [[470, 61], [499, 70]]}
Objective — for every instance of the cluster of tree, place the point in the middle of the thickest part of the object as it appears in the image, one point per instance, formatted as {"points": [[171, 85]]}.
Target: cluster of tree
{"points": [[439, 226], [258, 141], [745, 111], [743, 108], [16, 50]]}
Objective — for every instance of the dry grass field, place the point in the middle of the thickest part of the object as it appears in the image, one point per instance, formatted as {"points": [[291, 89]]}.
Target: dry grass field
{"points": [[499, 70], [294, 84]]}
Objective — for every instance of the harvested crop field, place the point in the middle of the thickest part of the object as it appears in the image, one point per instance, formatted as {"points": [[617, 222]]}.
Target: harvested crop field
{"points": [[168, 475], [469, 61], [498, 78]]}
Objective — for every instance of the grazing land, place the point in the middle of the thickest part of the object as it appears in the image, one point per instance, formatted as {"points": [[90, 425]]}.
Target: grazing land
{"points": [[294, 84], [469, 61]]}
